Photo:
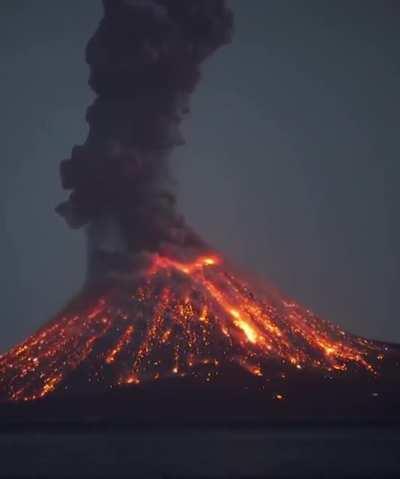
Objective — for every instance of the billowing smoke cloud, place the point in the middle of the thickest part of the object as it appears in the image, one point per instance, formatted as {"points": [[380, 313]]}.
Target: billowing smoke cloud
{"points": [[144, 61]]}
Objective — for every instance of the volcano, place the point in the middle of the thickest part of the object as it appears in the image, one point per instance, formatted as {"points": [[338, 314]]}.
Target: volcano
{"points": [[196, 321], [161, 309]]}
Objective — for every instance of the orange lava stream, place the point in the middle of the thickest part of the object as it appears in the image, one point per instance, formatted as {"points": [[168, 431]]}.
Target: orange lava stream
{"points": [[181, 319]]}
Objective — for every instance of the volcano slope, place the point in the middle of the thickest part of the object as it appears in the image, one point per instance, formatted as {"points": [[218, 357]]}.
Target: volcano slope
{"points": [[194, 339]]}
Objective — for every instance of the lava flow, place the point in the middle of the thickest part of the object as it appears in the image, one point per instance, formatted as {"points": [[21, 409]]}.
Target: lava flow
{"points": [[178, 319]]}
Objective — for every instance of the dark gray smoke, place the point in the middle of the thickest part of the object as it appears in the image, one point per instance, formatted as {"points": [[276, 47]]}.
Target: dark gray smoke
{"points": [[144, 61]]}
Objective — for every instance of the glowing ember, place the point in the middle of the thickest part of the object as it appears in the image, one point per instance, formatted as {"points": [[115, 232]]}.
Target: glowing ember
{"points": [[180, 319]]}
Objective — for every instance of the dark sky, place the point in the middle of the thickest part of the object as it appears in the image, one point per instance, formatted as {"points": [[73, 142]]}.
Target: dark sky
{"points": [[291, 166]]}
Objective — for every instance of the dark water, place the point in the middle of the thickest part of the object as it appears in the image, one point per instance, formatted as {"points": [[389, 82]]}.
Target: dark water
{"points": [[322, 453]]}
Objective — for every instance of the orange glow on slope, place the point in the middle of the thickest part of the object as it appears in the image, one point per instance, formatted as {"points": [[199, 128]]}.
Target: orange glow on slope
{"points": [[181, 319]]}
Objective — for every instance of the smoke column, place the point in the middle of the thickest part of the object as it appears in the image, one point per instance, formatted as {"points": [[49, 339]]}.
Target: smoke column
{"points": [[144, 60]]}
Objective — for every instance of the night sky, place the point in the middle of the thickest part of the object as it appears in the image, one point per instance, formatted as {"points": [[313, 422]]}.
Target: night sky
{"points": [[291, 166]]}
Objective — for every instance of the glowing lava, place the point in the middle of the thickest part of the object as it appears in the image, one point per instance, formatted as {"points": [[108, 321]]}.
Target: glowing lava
{"points": [[179, 319]]}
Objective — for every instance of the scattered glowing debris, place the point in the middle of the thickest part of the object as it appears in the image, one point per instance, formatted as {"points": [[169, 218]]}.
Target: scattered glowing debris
{"points": [[132, 380], [256, 371], [194, 314], [123, 341]]}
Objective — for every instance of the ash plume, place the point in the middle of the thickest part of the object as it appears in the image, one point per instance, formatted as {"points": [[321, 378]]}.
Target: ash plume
{"points": [[144, 60]]}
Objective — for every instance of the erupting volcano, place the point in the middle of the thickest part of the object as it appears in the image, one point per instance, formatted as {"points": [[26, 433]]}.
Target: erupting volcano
{"points": [[159, 304]]}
